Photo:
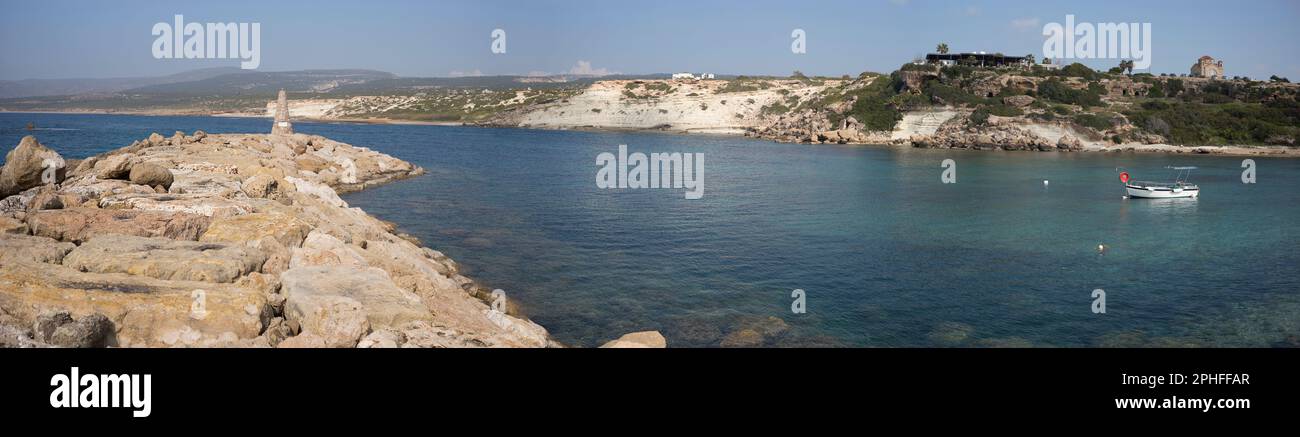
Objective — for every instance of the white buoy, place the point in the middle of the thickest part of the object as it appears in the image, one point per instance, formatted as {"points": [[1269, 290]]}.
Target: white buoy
{"points": [[1044, 182], [1101, 249]]}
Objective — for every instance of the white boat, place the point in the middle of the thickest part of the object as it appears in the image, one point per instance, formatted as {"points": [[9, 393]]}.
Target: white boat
{"points": [[1179, 188]]}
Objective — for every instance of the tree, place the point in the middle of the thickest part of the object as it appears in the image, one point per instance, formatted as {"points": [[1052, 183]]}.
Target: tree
{"points": [[1030, 58], [942, 48], [1124, 66]]}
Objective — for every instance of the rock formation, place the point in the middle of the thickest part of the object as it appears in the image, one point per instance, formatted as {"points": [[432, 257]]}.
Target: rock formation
{"points": [[226, 240]]}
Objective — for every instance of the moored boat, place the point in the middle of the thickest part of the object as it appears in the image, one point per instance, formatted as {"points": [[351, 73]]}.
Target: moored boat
{"points": [[1178, 188]]}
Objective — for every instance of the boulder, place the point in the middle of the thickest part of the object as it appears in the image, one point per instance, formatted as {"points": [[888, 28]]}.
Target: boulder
{"points": [[385, 338], [34, 249], [156, 140], [49, 321], [260, 186], [286, 229], [321, 249], [327, 321], [12, 226], [638, 340], [28, 165], [116, 166], [94, 330], [312, 290], [151, 175], [1069, 142], [76, 225], [165, 259], [46, 198]]}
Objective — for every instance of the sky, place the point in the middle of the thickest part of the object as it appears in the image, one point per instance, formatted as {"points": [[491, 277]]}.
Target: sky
{"points": [[56, 39]]}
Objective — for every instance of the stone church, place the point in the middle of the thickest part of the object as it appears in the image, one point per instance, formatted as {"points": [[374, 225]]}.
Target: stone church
{"points": [[1208, 67]]}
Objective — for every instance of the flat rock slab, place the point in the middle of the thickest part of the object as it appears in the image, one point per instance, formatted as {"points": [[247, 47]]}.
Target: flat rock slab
{"points": [[35, 249], [216, 207], [165, 259], [81, 224], [144, 311], [286, 229], [309, 290]]}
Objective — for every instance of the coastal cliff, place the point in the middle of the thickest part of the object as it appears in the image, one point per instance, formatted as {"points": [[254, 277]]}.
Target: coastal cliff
{"points": [[233, 240]]}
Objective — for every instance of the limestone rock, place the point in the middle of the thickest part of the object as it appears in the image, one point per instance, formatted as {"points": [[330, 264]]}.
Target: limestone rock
{"points": [[156, 140], [260, 186], [383, 339], [12, 226], [744, 338], [48, 321], [311, 290], [165, 259], [28, 165], [1069, 142], [286, 229], [321, 249], [80, 224], [144, 311], [644, 339], [94, 330], [151, 175], [215, 207], [116, 166], [35, 249]]}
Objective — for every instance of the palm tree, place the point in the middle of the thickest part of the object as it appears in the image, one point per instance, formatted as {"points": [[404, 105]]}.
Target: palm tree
{"points": [[942, 48], [1029, 59], [1127, 66]]}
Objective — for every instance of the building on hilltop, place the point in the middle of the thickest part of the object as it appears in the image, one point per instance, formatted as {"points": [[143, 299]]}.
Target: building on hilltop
{"points": [[692, 76], [1206, 66], [282, 125], [981, 59]]}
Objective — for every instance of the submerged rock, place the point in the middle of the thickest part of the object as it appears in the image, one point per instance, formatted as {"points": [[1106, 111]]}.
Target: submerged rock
{"points": [[638, 340]]}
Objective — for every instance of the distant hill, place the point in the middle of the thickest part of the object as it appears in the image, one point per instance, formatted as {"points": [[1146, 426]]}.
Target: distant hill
{"points": [[68, 87], [261, 83]]}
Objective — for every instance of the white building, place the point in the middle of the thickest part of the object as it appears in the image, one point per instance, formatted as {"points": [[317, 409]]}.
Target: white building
{"points": [[691, 76]]}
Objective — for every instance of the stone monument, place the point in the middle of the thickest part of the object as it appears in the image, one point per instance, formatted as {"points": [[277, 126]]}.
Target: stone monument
{"points": [[282, 125]]}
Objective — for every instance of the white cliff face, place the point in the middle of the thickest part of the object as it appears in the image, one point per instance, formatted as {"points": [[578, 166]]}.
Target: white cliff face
{"points": [[689, 106]]}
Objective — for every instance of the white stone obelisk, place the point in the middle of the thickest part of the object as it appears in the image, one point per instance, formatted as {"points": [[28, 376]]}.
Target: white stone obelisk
{"points": [[282, 125]]}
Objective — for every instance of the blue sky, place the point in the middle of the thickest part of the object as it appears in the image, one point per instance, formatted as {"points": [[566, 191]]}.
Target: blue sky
{"points": [[52, 39]]}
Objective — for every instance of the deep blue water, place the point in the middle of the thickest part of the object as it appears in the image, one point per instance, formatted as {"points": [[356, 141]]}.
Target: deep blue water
{"points": [[887, 255]]}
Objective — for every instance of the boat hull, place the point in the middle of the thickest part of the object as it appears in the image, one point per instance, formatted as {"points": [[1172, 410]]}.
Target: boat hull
{"points": [[1161, 192]]}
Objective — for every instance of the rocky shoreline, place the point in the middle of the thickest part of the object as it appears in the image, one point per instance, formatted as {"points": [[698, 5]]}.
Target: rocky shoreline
{"points": [[233, 240]]}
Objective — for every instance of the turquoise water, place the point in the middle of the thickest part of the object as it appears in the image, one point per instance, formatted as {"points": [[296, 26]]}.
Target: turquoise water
{"points": [[887, 254]]}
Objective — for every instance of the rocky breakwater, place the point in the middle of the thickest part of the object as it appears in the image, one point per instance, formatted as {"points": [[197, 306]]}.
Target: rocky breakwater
{"points": [[234, 240]]}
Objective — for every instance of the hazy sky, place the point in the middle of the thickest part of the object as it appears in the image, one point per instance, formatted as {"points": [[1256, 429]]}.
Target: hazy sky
{"points": [[50, 39]]}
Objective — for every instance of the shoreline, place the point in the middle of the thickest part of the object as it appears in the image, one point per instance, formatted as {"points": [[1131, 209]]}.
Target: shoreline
{"points": [[1216, 150]]}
